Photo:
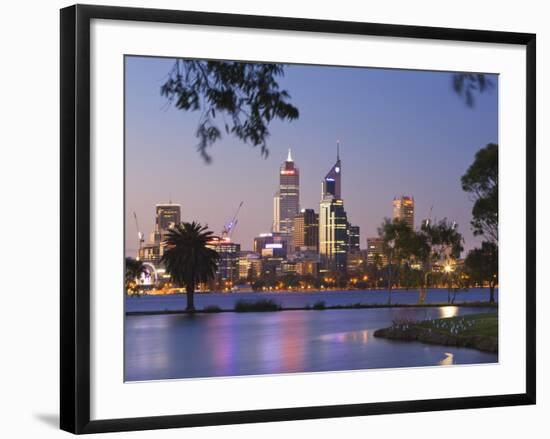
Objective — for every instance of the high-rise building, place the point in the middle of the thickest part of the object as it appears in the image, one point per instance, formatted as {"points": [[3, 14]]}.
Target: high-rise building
{"points": [[287, 199], [306, 230], [333, 222], [375, 251], [403, 209], [228, 262], [332, 183], [276, 213], [167, 216], [354, 245]]}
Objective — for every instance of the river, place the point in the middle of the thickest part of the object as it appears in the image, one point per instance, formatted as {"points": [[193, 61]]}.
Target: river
{"points": [[174, 346]]}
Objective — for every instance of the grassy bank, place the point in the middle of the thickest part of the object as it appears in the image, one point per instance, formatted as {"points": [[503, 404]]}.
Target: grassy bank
{"points": [[478, 331], [270, 305]]}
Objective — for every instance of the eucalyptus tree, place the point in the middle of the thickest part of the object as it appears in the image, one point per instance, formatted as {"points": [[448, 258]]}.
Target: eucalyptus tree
{"points": [[240, 98], [397, 238], [436, 243]]}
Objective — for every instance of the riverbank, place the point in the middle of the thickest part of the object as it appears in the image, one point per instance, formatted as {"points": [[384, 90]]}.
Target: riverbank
{"points": [[478, 331], [269, 306]]}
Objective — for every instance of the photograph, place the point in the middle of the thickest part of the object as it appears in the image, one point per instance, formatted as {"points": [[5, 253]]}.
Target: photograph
{"points": [[292, 218]]}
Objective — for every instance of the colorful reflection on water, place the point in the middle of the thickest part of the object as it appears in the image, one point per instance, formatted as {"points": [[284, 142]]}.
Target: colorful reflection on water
{"points": [[230, 344]]}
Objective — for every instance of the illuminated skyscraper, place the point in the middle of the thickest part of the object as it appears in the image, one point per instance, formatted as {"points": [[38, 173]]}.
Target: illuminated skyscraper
{"points": [[333, 221], [332, 183], [306, 231], [403, 209], [287, 200]]}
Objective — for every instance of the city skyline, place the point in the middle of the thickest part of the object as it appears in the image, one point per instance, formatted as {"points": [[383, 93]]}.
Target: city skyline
{"points": [[238, 173]]}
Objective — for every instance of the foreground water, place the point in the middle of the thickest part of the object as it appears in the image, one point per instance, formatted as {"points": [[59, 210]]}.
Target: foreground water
{"points": [[229, 344], [301, 300]]}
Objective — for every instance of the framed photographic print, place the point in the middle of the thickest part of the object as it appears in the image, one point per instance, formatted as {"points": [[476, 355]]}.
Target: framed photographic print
{"points": [[269, 218]]}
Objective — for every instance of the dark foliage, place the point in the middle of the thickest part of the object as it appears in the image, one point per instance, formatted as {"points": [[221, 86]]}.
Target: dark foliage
{"points": [[241, 97], [467, 85]]}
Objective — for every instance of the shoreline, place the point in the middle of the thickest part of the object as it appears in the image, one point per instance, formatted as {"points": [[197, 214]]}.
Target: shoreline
{"points": [[312, 308], [416, 331], [311, 291]]}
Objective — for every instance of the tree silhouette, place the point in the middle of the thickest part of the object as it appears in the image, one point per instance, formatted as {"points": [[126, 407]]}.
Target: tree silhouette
{"points": [[467, 85], [188, 259], [481, 181], [245, 96], [482, 266]]}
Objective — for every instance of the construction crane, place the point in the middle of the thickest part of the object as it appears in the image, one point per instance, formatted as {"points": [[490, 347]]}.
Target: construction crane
{"points": [[141, 239], [230, 226]]}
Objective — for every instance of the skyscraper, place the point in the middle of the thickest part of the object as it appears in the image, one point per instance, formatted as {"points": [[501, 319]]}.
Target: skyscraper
{"points": [[306, 231], [403, 209], [333, 221], [287, 200], [332, 183], [227, 271], [167, 216], [354, 240]]}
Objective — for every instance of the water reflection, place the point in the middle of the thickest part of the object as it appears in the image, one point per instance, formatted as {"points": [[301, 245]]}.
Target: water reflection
{"points": [[448, 311], [344, 337], [448, 360], [230, 344]]}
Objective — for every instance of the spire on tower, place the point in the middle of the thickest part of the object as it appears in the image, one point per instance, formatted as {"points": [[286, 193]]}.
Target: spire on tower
{"points": [[289, 158], [337, 150]]}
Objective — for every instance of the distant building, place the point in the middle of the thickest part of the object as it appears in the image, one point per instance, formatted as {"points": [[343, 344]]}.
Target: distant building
{"points": [[276, 213], [274, 240], [307, 262], [332, 183], [356, 263], [166, 217], [403, 209], [306, 231], [150, 253], [375, 246], [354, 239], [333, 221], [228, 263], [250, 265], [287, 200]]}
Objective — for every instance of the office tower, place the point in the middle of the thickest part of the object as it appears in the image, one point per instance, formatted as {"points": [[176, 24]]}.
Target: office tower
{"points": [[354, 239], [276, 213], [227, 272], [403, 209], [332, 183], [306, 231], [287, 199], [333, 221], [166, 217]]}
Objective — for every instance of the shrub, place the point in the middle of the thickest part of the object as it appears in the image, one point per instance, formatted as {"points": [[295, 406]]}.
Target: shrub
{"points": [[258, 305], [320, 304], [212, 308]]}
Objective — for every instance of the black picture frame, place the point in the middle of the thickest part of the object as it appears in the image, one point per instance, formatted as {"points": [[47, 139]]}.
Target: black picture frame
{"points": [[75, 217]]}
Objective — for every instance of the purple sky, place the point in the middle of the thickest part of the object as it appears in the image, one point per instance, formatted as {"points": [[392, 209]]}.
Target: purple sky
{"points": [[401, 132]]}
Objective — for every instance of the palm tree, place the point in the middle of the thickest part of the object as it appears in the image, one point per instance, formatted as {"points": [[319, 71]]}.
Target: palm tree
{"points": [[134, 269], [187, 258]]}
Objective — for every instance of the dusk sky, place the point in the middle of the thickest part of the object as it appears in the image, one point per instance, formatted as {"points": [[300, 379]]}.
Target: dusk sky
{"points": [[401, 132]]}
